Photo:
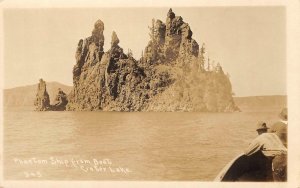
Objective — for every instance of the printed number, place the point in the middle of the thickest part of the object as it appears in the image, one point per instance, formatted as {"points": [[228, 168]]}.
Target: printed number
{"points": [[36, 174]]}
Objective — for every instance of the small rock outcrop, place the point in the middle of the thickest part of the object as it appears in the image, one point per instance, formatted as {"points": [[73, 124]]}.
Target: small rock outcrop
{"points": [[42, 102], [170, 75], [60, 101]]}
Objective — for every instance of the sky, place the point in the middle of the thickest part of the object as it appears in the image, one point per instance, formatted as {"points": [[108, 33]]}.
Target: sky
{"points": [[249, 42]]}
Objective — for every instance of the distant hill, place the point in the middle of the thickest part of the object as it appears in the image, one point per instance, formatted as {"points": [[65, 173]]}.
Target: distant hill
{"points": [[25, 95], [261, 103]]}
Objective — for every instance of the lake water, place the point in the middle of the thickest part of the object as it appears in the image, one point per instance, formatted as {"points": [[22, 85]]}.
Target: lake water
{"points": [[124, 146]]}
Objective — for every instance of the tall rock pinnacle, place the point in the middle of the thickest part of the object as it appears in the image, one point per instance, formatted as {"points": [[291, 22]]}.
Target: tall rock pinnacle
{"points": [[97, 34], [42, 100], [171, 41], [84, 50], [114, 39]]}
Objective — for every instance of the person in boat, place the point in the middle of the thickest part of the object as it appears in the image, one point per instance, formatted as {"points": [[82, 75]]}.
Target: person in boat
{"points": [[261, 128], [280, 127], [265, 159], [273, 145], [279, 163], [270, 145], [279, 167]]}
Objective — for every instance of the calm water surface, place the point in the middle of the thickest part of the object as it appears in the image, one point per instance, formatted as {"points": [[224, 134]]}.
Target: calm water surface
{"points": [[151, 146]]}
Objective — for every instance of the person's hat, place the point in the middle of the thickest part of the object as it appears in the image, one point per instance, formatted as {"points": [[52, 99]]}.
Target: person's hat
{"points": [[262, 126], [284, 114]]}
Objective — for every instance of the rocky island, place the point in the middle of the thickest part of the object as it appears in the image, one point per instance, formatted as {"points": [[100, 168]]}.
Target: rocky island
{"points": [[171, 75]]}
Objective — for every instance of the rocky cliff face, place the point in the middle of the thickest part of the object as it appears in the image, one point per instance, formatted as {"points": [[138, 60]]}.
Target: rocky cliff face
{"points": [[42, 101], [170, 76]]}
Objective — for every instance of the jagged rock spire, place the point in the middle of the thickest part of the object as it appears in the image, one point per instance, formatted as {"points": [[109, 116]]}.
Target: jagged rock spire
{"points": [[82, 52], [97, 34], [42, 101], [114, 39], [171, 14], [98, 28]]}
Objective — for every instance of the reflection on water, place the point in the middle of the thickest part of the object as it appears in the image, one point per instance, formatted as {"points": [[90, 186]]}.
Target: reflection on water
{"points": [[153, 146]]}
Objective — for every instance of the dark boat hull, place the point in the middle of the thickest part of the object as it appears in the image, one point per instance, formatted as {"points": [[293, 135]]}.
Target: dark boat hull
{"points": [[256, 167]]}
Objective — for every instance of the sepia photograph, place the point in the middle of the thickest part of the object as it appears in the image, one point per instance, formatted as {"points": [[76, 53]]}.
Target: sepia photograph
{"points": [[147, 94]]}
